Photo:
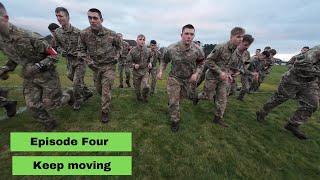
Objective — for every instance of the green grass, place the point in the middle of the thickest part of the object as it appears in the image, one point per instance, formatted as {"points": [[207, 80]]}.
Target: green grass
{"points": [[245, 150]]}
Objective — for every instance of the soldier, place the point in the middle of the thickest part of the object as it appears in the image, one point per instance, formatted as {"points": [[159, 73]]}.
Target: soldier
{"points": [[66, 39], [217, 76], [52, 28], [258, 51], [258, 67], [122, 64], [100, 48], [301, 83], [246, 74], [187, 62], [41, 86], [139, 57], [155, 56], [300, 55]]}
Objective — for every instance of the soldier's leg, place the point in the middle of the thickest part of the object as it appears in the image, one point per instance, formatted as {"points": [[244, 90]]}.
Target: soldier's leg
{"points": [[174, 90], [137, 86], [245, 87], [107, 80], [145, 87], [285, 91], [128, 74], [153, 80], [78, 86], [202, 76], [308, 104], [209, 90], [33, 97], [120, 69], [10, 106], [221, 98], [97, 81]]}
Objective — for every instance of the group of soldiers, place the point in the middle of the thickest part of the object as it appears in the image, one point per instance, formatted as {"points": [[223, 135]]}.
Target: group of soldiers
{"points": [[101, 49]]}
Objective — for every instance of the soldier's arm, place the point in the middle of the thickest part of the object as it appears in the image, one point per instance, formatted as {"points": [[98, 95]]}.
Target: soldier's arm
{"points": [[56, 44], [200, 61], [82, 49], [9, 66], [166, 58], [130, 59], [212, 58], [51, 56]]}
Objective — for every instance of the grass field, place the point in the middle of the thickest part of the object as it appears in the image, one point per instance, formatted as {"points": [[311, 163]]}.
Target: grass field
{"points": [[200, 150]]}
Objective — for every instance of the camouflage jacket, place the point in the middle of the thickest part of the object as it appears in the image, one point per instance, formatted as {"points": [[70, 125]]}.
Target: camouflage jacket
{"points": [[239, 61], [291, 62], [25, 48], [141, 56], [67, 40], [256, 65], [307, 68], [100, 47], [155, 58], [185, 61], [219, 59]]}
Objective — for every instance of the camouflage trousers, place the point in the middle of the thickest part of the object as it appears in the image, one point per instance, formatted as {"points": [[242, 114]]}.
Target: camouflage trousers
{"points": [[122, 66], [202, 76], [42, 91], [3, 97], [103, 81], [153, 73], [177, 90], [141, 79], [215, 89], [307, 94], [232, 87], [76, 72], [246, 83]]}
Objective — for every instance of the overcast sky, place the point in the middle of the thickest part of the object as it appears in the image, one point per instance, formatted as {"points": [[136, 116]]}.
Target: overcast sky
{"points": [[285, 25]]}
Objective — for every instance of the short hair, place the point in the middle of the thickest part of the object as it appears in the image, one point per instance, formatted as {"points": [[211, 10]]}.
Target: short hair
{"points": [[266, 53], [237, 30], [188, 26], [153, 42], [53, 26], [306, 47], [273, 52], [248, 38], [267, 48], [119, 34], [258, 49], [3, 10], [141, 36], [96, 11], [62, 9]]}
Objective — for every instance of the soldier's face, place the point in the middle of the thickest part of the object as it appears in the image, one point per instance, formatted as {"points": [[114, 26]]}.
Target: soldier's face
{"points": [[236, 39], [62, 18], [120, 36], [94, 20], [303, 50], [243, 46], [187, 35], [153, 46], [4, 23], [141, 41], [258, 51]]}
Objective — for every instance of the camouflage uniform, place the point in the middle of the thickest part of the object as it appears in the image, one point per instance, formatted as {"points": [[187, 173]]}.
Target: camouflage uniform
{"points": [[155, 56], [123, 64], [41, 86], [141, 56], [185, 62], [294, 59], [101, 49], [237, 66], [67, 41], [301, 83], [218, 60]]}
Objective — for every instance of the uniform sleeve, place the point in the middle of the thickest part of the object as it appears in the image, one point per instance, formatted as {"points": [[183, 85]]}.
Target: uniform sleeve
{"points": [[200, 61], [82, 48], [130, 58], [212, 58], [42, 47]]}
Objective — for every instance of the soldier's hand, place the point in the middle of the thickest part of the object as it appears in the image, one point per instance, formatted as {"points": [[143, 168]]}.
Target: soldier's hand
{"points": [[159, 75], [136, 66], [193, 78], [150, 66], [223, 76]]}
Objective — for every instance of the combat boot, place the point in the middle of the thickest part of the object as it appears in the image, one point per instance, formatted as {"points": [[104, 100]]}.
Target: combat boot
{"points": [[11, 108], [50, 125], [104, 117], [175, 126], [128, 83], [218, 120], [121, 86], [77, 105], [145, 93], [261, 116], [295, 131]]}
